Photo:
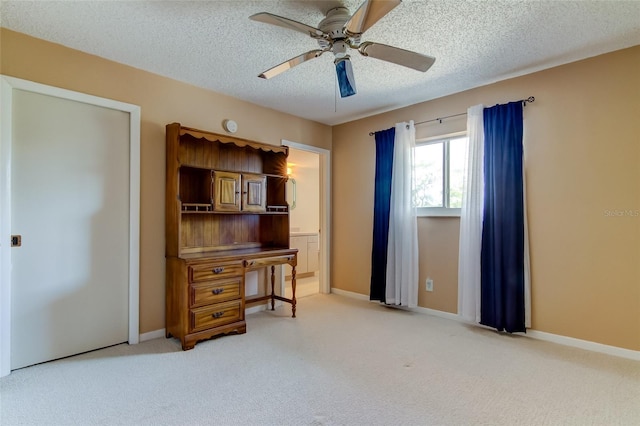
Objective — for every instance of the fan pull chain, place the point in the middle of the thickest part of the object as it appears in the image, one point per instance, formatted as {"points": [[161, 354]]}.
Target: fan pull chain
{"points": [[335, 93]]}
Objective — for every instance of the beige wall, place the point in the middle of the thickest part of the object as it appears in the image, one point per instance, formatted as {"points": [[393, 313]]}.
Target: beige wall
{"points": [[582, 159], [162, 101]]}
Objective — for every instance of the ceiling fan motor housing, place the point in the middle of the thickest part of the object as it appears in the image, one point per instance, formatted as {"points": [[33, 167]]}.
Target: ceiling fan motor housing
{"points": [[334, 22], [333, 26]]}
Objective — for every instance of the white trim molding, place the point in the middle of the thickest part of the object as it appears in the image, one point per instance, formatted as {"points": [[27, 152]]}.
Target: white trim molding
{"points": [[436, 313], [7, 85], [350, 294], [151, 335], [585, 344], [260, 308]]}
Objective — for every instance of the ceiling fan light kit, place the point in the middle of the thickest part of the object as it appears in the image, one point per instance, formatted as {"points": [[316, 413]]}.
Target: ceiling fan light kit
{"points": [[338, 32]]}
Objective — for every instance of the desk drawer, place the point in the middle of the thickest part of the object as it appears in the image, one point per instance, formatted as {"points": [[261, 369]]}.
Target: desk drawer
{"points": [[268, 261], [214, 292], [215, 315], [214, 271]]}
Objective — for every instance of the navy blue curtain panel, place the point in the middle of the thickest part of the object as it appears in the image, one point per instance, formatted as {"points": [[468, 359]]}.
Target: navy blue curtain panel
{"points": [[502, 256], [381, 209]]}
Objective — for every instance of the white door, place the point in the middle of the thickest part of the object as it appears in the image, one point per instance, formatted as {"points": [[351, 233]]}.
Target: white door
{"points": [[70, 204]]}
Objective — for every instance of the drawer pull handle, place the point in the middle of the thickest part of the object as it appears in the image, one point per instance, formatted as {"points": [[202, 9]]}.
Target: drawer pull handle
{"points": [[218, 270], [217, 290], [218, 314]]}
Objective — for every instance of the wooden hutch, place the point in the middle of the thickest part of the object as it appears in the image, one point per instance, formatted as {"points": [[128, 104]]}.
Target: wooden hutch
{"points": [[226, 215]]}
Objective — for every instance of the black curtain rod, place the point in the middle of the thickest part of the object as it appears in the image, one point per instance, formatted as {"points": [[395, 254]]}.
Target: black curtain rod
{"points": [[530, 99]]}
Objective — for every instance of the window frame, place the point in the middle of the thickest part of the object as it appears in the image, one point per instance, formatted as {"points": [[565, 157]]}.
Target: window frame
{"points": [[445, 211]]}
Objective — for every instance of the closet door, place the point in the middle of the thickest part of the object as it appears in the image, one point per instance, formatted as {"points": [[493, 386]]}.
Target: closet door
{"points": [[70, 204]]}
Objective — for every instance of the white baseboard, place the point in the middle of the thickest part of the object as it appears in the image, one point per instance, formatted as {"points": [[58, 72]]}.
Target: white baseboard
{"points": [[534, 334], [585, 344], [349, 294], [436, 313], [258, 308], [152, 335]]}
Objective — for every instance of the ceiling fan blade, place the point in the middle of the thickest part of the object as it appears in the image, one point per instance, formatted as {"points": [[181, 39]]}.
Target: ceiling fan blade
{"points": [[278, 69], [406, 58], [370, 12], [280, 21]]}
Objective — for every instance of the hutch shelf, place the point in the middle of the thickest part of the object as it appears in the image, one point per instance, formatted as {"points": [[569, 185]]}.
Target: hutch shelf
{"points": [[226, 215]]}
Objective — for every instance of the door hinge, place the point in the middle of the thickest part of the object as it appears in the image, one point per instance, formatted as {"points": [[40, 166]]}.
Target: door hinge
{"points": [[16, 240]]}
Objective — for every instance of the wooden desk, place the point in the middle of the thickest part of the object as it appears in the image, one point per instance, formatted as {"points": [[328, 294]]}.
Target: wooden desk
{"points": [[213, 300]]}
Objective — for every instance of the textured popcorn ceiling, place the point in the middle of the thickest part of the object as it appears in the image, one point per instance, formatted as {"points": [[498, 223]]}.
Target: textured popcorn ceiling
{"points": [[213, 44]]}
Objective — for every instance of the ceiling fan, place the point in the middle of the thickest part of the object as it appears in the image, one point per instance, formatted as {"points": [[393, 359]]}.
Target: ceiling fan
{"points": [[338, 32]]}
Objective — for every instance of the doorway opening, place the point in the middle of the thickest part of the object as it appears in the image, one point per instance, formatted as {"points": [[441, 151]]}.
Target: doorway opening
{"points": [[308, 197]]}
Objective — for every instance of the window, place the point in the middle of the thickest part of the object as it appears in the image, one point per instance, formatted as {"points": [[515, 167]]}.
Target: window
{"points": [[439, 175]]}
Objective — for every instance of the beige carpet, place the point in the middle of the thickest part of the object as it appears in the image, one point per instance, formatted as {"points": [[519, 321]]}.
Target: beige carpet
{"points": [[307, 286], [341, 362]]}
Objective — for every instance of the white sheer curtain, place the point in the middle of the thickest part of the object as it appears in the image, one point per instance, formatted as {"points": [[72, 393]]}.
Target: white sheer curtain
{"points": [[402, 251], [527, 260], [471, 219]]}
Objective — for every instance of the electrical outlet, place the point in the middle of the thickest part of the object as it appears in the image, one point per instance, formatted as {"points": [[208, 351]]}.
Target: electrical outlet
{"points": [[429, 286]]}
